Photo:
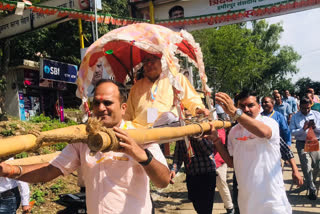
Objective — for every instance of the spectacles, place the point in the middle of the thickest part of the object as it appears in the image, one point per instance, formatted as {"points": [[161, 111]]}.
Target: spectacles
{"points": [[97, 103]]}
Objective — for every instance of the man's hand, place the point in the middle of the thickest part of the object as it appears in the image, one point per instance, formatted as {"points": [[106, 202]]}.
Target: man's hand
{"points": [[312, 124], [226, 103], [203, 111], [306, 125], [129, 146], [296, 177], [211, 135], [172, 175], [5, 169], [214, 138], [26, 209]]}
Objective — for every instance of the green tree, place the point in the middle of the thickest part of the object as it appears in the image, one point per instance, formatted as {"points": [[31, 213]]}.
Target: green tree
{"points": [[61, 41], [304, 83], [238, 57], [281, 61], [231, 58]]}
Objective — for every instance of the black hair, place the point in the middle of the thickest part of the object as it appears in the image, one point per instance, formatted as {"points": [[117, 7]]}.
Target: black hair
{"points": [[310, 90], [121, 88], [175, 8], [245, 94], [305, 100], [270, 97]]}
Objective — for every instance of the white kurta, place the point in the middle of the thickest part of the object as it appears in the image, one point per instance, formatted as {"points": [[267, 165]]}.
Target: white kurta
{"points": [[258, 170]]}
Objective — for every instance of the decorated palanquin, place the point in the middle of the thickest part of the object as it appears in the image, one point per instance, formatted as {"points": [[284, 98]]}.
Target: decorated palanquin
{"points": [[122, 51]]}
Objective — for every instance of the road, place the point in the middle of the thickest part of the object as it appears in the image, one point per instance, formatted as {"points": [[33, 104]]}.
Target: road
{"points": [[173, 199]]}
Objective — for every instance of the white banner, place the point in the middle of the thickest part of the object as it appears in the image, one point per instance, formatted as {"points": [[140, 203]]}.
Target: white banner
{"points": [[14, 24], [196, 8]]}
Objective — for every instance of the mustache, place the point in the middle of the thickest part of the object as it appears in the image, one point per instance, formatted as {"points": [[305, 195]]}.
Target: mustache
{"points": [[248, 113], [102, 115]]}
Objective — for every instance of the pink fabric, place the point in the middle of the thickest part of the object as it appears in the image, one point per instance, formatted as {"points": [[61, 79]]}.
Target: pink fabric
{"points": [[218, 159], [117, 184]]}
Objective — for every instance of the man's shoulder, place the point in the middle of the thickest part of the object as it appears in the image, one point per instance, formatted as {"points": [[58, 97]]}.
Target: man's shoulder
{"points": [[234, 129], [266, 119], [279, 115], [139, 82], [297, 115], [287, 105], [315, 112]]}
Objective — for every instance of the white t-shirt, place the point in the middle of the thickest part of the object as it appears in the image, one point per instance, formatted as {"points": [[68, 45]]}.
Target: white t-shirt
{"points": [[257, 166], [115, 182]]}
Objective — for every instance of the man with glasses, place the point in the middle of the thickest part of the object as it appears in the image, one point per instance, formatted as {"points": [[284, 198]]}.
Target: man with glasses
{"points": [[301, 122]]}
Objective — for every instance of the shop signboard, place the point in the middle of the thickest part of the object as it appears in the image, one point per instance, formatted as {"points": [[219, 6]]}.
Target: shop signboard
{"points": [[58, 71], [198, 14]]}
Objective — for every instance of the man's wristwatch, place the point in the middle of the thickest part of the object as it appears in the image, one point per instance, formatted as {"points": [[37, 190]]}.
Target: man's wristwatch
{"points": [[149, 155], [237, 114]]}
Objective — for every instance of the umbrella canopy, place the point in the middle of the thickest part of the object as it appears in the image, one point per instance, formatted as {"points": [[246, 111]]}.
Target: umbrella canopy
{"points": [[119, 54]]}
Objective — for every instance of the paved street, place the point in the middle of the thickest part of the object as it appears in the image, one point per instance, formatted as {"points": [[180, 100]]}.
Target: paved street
{"points": [[174, 200]]}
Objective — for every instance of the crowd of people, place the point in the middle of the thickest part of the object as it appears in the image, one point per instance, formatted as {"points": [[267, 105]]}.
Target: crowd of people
{"points": [[254, 146]]}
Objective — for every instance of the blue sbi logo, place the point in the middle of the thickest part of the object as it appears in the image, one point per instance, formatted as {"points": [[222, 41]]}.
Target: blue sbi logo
{"points": [[46, 69]]}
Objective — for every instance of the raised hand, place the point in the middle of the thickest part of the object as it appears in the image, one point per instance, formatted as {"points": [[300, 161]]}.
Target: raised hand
{"points": [[226, 103]]}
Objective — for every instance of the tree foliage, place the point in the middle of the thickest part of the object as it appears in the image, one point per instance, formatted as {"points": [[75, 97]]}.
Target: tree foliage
{"points": [[303, 84], [238, 57], [61, 41]]}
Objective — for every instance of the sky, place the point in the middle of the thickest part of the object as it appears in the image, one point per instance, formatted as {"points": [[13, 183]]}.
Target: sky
{"points": [[302, 32]]}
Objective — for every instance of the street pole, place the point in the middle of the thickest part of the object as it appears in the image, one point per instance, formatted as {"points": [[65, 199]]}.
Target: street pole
{"points": [[95, 19]]}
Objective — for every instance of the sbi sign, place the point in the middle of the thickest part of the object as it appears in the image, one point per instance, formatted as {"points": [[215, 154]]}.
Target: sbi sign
{"points": [[58, 71]]}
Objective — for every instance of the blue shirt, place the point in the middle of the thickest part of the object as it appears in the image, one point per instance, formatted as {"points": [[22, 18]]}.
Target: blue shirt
{"points": [[284, 109], [285, 132], [298, 120], [219, 109], [292, 103]]}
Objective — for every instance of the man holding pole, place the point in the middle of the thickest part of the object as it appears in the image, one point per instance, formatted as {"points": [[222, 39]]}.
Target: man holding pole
{"points": [[116, 182], [254, 146]]}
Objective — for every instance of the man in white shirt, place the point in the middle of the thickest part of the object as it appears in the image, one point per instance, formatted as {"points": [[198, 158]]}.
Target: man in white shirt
{"points": [[301, 122], [254, 144], [116, 182]]}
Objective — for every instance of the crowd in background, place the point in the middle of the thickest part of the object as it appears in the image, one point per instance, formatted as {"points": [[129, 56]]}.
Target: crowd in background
{"points": [[295, 117]]}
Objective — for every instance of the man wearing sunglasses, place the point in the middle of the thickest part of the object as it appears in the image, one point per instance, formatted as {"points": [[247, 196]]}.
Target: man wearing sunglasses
{"points": [[116, 182]]}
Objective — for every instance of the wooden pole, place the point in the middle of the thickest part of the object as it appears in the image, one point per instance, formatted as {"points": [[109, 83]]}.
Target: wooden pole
{"points": [[16, 144], [101, 141]]}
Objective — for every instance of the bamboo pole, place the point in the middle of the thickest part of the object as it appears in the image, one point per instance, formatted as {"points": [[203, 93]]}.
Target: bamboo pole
{"points": [[100, 140], [16, 144]]}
